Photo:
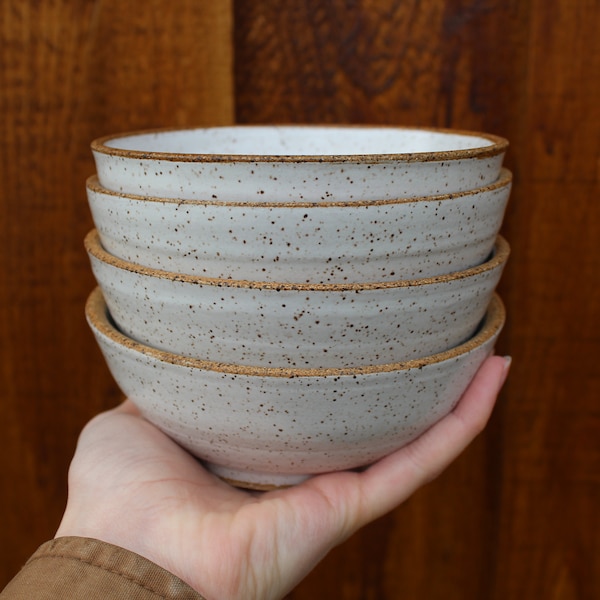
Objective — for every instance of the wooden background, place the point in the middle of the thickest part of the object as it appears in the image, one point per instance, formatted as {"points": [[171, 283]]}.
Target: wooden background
{"points": [[518, 515]]}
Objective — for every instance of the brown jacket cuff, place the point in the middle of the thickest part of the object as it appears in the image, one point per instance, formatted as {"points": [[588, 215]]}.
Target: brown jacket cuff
{"points": [[88, 569]]}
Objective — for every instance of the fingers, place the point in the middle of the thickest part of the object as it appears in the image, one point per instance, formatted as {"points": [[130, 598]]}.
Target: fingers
{"points": [[393, 479]]}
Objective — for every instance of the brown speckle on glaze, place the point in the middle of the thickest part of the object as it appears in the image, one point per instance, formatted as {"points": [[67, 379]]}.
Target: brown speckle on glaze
{"points": [[251, 323], [332, 243], [287, 309], [311, 163], [324, 421]]}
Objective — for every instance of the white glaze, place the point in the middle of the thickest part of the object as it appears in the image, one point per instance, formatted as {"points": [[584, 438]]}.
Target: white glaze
{"points": [[297, 163], [275, 427], [300, 326], [325, 243]]}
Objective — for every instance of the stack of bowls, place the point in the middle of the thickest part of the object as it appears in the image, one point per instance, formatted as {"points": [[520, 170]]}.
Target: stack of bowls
{"points": [[284, 300]]}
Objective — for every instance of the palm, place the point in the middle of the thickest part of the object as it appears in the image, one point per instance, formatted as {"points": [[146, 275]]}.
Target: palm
{"points": [[134, 487], [217, 529]]}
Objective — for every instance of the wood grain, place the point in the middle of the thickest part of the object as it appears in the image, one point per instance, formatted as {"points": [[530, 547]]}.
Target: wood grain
{"points": [[69, 72], [517, 515], [386, 61], [550, 534]]}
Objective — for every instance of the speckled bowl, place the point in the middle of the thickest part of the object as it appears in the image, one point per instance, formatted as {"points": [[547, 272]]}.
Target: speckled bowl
{"points": [[295, 325], [351, 242], [297, 163], [264, 428]]}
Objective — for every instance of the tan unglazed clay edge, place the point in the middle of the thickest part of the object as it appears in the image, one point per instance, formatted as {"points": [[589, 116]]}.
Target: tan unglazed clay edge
{"points": [[498, 146], [97, 314], [94, 247], [504, 179]]}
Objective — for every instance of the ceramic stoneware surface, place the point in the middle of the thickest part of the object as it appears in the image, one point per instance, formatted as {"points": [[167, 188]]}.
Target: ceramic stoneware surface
{"points": [[297, 163], [272, 427], [295, 325], [295, 242]]}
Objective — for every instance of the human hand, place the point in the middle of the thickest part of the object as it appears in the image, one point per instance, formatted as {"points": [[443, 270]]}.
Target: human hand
{"points": [[132, 486]]}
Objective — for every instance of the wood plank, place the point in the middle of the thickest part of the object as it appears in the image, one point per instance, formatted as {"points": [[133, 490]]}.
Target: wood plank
{"points": [[69, 72], [406, 63], [549, 545], [428, 62]]}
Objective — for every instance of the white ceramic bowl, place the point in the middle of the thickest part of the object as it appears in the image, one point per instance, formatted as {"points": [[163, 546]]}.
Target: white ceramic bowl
{"points": [[271, 427], [297, 163], [295, 325], [350, 242]]}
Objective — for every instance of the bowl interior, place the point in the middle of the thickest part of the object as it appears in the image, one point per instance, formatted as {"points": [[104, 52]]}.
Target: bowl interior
{"points": [[296, 141]]}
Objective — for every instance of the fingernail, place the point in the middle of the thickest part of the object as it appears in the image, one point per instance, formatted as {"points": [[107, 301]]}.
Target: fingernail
{"points": [[507, 363]]}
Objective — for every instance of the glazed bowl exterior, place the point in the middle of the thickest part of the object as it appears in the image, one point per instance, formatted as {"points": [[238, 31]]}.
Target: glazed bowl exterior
{"points": [[344, 242], [297, 163], [295, 325], [272, 427]]}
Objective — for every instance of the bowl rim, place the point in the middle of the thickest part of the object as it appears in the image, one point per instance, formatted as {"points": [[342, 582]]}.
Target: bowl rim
{"points": [[98, 317], [94, 248], [504, 180], [498, 146]]}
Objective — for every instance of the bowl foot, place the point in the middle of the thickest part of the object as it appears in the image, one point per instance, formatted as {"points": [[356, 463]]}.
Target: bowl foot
{"points": [[255, 481]]}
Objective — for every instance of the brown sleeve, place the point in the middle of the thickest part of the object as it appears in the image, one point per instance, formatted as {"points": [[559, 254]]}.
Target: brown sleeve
{"points": [[87, 569]]}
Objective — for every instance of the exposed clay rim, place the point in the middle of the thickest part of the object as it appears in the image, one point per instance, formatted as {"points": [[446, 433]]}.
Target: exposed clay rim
{"points": [[97, 314], [504, 179], [94, 247], [498, 146]]}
